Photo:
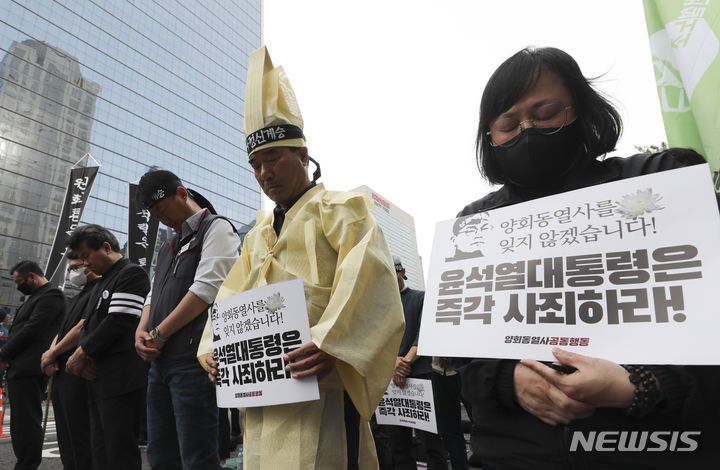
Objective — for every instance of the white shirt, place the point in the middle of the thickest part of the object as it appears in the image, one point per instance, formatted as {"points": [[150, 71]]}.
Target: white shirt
{"points": [[219, 253]]}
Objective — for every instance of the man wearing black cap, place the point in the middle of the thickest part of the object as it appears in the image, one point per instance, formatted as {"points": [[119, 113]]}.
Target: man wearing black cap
{"points": [[191, 266], [34, 326], [409, 364]]}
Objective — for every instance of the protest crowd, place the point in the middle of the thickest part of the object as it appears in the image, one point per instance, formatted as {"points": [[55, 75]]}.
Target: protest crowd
{"points": [[135, 359]]}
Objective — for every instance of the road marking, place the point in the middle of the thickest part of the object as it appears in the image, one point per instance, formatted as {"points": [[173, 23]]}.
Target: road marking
{"points": [[54, 451]]}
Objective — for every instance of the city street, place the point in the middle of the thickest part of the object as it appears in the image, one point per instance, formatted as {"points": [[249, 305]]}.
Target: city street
{"points": [[51, 451]]}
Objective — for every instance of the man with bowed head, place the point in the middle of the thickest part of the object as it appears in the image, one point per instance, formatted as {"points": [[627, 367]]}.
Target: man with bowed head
{"points": [[330, 241], [70, 392], [107, 344], [34, 325], [190, 267]]}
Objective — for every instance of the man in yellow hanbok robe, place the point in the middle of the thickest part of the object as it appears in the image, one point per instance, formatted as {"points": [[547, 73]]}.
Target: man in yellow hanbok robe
{"points": [[330, 241]]}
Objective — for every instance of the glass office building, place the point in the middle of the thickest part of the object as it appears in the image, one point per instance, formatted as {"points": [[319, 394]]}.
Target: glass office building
{"points": [[135, 84], [399, 229]]}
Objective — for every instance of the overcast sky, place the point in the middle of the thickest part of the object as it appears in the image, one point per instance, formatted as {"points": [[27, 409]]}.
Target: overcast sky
{"points": [[390, 90]]}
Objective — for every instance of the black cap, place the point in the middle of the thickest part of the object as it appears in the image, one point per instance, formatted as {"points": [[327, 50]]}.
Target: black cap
{"points": [[398, 265], [156, 185]]}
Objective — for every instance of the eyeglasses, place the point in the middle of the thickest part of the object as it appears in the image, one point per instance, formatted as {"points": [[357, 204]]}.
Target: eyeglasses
{"points": [[548, 119]]}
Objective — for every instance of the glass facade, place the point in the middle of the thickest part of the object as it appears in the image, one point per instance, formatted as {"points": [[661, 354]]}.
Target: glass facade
{"points": [[135, 83], [399, 229]]}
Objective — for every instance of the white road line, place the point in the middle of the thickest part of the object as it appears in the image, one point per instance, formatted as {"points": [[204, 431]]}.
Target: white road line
{"points": [[54, 451]]}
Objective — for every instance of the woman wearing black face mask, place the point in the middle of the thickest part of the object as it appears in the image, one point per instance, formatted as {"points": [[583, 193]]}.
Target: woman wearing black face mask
{"points": [[542, 128]]}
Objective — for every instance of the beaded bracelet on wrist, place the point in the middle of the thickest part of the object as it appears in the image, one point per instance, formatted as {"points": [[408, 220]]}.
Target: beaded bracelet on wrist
{"points": [[646, 393]]}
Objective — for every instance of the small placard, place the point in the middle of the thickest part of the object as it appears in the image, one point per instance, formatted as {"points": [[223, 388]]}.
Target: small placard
{"points": [[252, 331], [411, 406]]}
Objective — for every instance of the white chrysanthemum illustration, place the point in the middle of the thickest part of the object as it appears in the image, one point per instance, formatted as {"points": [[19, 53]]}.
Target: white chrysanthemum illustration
{"points": [[634, 205], [274, 303]]}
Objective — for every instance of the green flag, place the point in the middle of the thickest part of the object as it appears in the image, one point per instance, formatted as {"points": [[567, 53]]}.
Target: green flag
{"points": [[685, 48]]}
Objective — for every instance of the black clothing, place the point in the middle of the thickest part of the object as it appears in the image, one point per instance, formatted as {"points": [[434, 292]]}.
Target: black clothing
{"points": [[108, 337], [446, 394], [180, 400], [26, 396], [401, 437], [412, 302], [115, 427], [383, 448], [78, 306], [34, 327], [223, 434], [36, 323], [69, 394], [72, 420], [352, 433], [591, 173], [177, 263], [279, 212], [402, 445], [235, 430], [508, 437]]}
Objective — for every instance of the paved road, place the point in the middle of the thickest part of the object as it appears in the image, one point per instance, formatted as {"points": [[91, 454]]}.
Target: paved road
{"points": [[50, 453]]}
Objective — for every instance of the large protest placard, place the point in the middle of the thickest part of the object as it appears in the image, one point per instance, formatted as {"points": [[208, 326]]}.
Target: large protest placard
{"points": [[411, 406], [628, 271], [252, 331]]}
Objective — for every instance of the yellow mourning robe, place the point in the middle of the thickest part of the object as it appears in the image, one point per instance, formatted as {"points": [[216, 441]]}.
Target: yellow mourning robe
{"points": [[331, 242]]}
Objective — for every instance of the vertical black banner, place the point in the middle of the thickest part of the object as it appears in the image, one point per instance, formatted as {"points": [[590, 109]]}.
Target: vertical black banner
{"points": [[78, 191], [142, 232]]}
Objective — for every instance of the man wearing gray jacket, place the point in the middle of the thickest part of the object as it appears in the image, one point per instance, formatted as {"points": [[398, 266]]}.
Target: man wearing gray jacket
{"points": [[191, 266]]}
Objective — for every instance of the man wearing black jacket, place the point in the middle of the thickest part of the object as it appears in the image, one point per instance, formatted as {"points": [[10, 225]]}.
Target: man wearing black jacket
{"points": [[34, 326], [69, 392], [107, 343]]}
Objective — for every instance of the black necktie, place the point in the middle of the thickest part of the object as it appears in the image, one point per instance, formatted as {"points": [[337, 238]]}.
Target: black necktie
{"points": [[278, 219]]}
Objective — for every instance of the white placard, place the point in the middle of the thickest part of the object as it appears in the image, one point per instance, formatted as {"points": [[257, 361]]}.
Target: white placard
{"points": [[252, 331], [411, 406], [628, 271]]}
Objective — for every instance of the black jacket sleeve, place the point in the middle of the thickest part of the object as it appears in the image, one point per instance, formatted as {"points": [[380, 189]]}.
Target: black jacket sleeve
{"points": [[123, 314], [490, 379], [48, 308]]}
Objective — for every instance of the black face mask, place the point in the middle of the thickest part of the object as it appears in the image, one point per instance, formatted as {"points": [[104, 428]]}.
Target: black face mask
{"points": [[533, 159], [24, 289]]}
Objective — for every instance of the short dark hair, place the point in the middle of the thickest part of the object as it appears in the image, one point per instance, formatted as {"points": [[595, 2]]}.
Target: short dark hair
{"points": [[94, 236], [155, 180], [600, 121], [4, 311], [23, 268]]}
